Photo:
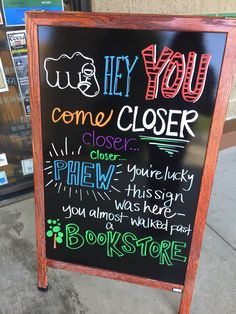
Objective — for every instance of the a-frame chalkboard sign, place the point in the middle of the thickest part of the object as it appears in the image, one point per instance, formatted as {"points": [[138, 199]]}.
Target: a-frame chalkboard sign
{"points": [[127, 116]]}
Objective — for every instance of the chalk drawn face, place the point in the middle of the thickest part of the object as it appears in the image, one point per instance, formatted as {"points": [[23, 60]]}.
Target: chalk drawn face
{"points": [[75, 72]]}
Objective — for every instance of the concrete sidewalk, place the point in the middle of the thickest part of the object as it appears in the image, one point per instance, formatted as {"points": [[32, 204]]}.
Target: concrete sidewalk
{"points": [[70, 293]]}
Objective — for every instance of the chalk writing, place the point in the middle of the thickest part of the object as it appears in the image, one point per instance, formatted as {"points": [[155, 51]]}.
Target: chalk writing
{"points": [[82, 174], [160, 121], [182, 175], [122, 171], [109, 142], [80, 117], [112, 68], [174, 63], [117, 244]]}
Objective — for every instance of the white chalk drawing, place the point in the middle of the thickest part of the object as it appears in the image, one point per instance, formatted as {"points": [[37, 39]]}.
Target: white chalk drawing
{"points": [[75, 72]]}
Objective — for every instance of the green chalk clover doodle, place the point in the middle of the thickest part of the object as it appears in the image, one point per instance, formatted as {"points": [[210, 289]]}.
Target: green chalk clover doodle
{"points": [[55, 231]]}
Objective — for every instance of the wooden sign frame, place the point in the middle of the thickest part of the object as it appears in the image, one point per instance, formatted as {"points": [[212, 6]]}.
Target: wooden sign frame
{"points": [[126, 21]]}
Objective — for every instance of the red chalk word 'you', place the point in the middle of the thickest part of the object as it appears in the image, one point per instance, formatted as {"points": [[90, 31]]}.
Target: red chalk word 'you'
{"points": [[177, 70]]}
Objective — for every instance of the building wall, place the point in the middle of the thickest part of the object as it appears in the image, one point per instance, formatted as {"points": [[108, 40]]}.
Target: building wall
{"points": [[173, 7]]}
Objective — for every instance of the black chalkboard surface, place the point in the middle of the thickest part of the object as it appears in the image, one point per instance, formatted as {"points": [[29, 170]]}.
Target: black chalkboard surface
{"points": [[126, 116]]}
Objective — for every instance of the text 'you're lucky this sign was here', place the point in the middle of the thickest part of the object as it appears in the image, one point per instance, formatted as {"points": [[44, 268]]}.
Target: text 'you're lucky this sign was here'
{"points": [[126, 116]]}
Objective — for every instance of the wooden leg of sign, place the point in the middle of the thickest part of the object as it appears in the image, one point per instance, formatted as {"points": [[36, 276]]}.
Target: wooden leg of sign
{"points": [[186, 300], [189, 285], [40, 244], [42, 274], [43, 289]]}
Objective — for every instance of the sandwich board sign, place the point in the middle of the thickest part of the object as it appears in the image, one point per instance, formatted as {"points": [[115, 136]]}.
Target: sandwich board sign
{"points": [[127, 115]]}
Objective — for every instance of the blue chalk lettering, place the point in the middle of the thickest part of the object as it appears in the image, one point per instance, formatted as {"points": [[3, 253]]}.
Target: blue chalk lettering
{"points": [[108, 77], [129, 70], [103, 180], [59, 165], [73, 172], [117, 75], [112, 75], [85, 175]]}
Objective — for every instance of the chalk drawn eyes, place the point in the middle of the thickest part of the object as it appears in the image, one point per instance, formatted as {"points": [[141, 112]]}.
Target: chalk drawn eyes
{"points": [[75, 72]]}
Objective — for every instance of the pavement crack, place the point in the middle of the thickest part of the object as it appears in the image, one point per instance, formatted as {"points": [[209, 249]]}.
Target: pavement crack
{"points": [[220, 236]]}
